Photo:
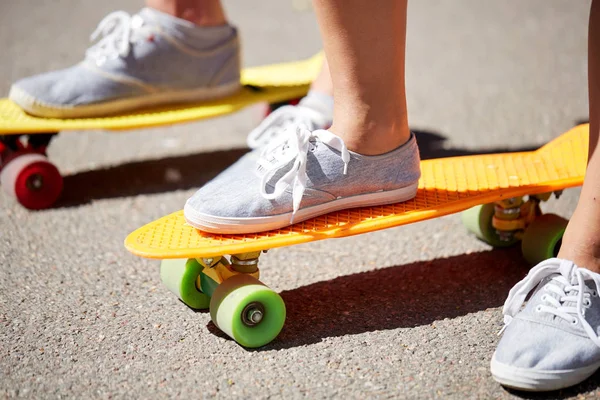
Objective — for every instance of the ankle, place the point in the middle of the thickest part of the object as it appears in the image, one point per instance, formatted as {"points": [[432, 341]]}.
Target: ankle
{"points": [[203, 18], [210, 14], [372, 140], [584, 257], [579, 244]]}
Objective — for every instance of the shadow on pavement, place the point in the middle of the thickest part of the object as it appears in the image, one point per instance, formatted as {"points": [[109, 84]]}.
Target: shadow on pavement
{"points": [[192, 171], [406, 296], [146, 177]]}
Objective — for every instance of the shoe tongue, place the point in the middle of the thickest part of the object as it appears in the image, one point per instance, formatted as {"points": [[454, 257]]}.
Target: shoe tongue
{"points": [[318, 119], [567, 269], [148, 15], [137, 21], [151, 15], [321, 103]]}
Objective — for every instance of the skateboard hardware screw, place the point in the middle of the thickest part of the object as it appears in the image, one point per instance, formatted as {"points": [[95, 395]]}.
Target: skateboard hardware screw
{"points": [[207, 261], [35, 182], [510, 203], [253, 314], [505, 236], [508, 211], [244, 266], [245, 263]]}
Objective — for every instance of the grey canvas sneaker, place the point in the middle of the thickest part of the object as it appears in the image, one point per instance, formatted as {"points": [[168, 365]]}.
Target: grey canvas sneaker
{"points": [[143, 60], [303, 175], [552, 343]]}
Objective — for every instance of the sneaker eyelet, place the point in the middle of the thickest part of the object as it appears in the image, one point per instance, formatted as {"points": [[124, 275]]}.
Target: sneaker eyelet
{"points": [[544, 297], [594, 293], [587, 302], [575, 321], [538, 308]]}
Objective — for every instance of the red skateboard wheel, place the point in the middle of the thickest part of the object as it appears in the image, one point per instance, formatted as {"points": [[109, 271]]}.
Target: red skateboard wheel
{"points": [[33, 180]]}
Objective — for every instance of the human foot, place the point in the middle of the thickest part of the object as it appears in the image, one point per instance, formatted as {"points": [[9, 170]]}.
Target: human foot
{"points": [[143, 60], [303, 175], [552, 343]]}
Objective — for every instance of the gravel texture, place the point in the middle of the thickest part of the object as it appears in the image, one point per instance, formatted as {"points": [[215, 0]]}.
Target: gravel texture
{"points": [[409, 312]]}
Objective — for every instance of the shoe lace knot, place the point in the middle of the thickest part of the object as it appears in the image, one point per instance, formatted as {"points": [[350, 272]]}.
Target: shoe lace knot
{"points": [[567, 294], [116, 32], [293, 147]]}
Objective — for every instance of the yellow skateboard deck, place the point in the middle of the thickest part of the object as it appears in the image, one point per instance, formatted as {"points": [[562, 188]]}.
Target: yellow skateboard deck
{"points": [[269, 83], [447, 186]]}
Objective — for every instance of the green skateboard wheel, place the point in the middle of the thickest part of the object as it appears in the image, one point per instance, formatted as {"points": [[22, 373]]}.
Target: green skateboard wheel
{"points": [[543, 237], [180, 277], [247, 311], [478, 220]]}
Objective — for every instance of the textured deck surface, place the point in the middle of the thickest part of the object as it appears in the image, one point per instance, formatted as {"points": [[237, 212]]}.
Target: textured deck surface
{"points": [[278, 82], [447, 186]]}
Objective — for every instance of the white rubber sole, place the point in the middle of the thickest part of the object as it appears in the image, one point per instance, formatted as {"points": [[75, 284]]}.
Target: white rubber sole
{"points": [[38, 108], [213, 224], [539, 381]]}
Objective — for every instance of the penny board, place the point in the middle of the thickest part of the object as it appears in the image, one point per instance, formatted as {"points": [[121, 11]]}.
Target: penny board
{"points": [[269, 83], [447, 185]]}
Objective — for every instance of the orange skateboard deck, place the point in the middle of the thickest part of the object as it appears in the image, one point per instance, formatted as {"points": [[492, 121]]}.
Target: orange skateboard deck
{"points": [[220, 272], [447, 186]]}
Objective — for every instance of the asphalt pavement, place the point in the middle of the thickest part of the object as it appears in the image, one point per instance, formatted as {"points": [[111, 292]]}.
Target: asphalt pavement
{"points": [[410, 312]]}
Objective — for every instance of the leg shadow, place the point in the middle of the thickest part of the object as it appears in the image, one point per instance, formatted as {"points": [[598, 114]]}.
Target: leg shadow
{"points": [[146, 177], [400, 297], [404, 296]]}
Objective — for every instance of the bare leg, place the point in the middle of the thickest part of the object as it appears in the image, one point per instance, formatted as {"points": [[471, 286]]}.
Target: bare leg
{"points": [[211, 13], [365, 45], [200, 12], [323, 82], [581, 243]]}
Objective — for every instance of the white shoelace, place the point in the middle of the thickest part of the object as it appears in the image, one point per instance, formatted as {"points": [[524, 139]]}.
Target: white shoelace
{"points": [[294, 146], [118, 30], [279, 121], [573, 290]]}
